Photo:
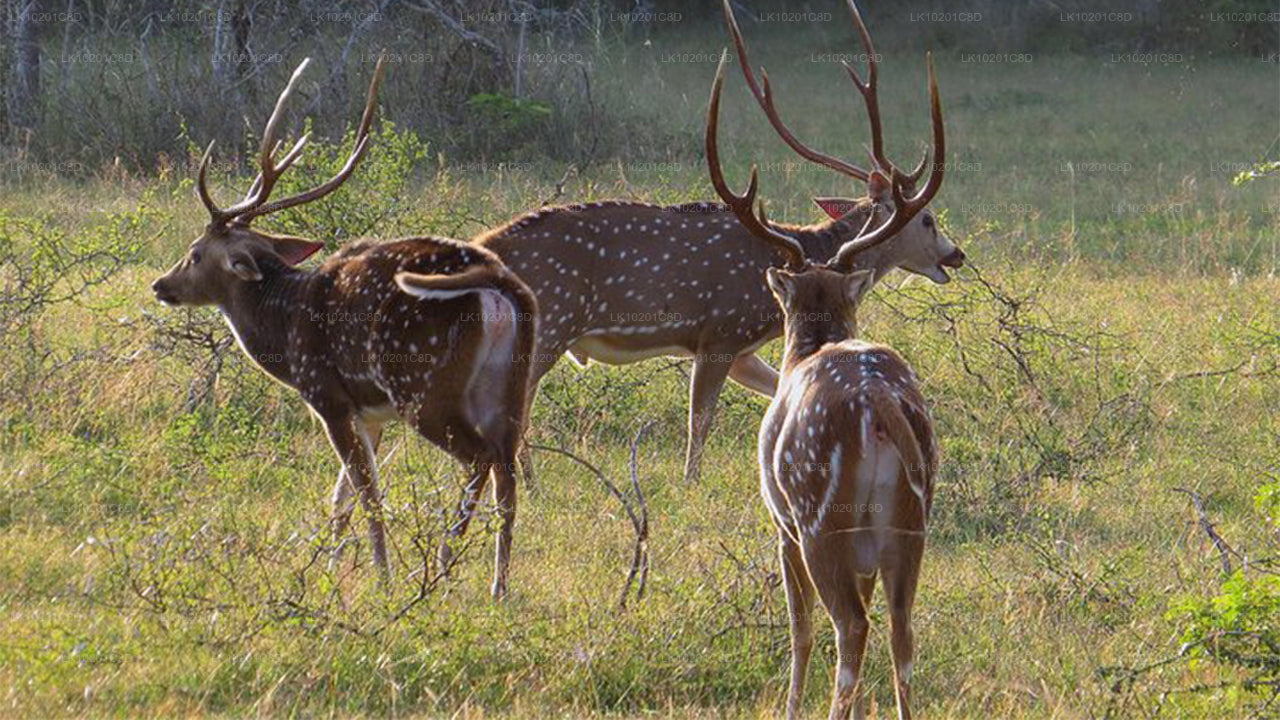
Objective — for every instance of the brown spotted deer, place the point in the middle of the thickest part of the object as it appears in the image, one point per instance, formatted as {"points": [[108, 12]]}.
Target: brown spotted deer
{"points": [[846, 450], [433, 331], [620, 282]]}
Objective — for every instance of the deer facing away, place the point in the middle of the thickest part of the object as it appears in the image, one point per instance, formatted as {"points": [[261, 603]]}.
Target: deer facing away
{"points": [[620, 282], [847, 452], [435, 332]]}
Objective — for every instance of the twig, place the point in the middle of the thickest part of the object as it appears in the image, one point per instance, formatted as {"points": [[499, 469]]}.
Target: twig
{"points": [[429, 7], [590, 156], [570, 171], [1224, 550], [639, 520], [640, 558]]}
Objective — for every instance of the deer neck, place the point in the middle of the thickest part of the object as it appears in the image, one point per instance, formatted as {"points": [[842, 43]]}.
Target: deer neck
{"points": [[808, 330], [264, 314], [822, 240]]}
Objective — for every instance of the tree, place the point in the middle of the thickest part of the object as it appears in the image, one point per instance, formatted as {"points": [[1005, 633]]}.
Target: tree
{"points": [[22, 101]]}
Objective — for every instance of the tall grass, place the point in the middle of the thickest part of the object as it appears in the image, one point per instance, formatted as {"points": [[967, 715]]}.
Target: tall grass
{"points": [[162, 505]]}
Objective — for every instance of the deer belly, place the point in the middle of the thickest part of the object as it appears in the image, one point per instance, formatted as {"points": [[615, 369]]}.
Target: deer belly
{"points": [[618, 349]]}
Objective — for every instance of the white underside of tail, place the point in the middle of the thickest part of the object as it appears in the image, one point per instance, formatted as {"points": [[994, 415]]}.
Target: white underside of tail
{"points": [[486, 393], [434, 294]]}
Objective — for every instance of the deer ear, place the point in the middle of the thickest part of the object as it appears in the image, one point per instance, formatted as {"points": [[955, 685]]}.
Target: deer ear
{"points": [[243, 266], [857, 284], [879, 188], [836, 208], [781, 282], [295, 250]]}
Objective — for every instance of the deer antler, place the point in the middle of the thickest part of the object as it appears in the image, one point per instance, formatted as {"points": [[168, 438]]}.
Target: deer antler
{"points": [[763, 94], [904, 208], [255, 202], [907, 203], [742, 204], [869, 89]]}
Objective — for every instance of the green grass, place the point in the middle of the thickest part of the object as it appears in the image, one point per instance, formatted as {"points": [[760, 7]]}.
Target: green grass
{"points": [[161, 560]]}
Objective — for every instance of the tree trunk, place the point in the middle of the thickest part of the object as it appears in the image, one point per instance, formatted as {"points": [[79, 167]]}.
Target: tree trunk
{"points": [[23, 100]]}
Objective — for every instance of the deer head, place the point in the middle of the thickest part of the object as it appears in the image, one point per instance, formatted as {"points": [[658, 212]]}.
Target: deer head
{"points": [[920, 243], [822, 296], [229, 251]]}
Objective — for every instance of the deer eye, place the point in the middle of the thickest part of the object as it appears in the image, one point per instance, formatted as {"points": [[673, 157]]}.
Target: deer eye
{"points": [[195, 257], [928, 222]]}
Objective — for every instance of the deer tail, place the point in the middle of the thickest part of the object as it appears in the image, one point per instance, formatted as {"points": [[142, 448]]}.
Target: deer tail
{"points": [[888, 410], [498, 278]]}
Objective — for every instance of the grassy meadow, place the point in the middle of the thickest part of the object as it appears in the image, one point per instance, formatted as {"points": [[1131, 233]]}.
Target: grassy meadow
{"points": [[1116, 337]]}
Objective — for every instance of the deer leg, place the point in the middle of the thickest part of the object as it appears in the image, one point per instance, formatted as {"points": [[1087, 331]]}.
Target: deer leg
{"points": [[504, 497], [343, 499], [754, 374], [866, 588], [840, 590], [800, 597], [523, 455], [900, 592], [343, 504], [350, 439], [704, 392], [851, 627], [466, 511]]}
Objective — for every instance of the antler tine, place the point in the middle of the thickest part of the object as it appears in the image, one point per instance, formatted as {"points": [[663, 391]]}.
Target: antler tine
{"points": [[870, 89], [742, 204], [904, 208], [939, 140], [914, 176], [763, 94], [269, 172], [202, 186], [294, 153], [333, 183]]}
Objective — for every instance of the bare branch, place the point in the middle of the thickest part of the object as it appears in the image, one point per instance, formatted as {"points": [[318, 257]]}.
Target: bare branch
{"points": [[637, 512], [1224, 550]]}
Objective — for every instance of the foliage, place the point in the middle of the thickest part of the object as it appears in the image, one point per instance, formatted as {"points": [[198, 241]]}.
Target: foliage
{"points": [[1239, 627], [502, 124], [1259, 170], [43, 265], [164, 545]]}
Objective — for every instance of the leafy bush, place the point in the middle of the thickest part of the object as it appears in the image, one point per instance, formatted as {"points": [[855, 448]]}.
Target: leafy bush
{"points": [[41, 265], [1239, 627], [501, 124]]}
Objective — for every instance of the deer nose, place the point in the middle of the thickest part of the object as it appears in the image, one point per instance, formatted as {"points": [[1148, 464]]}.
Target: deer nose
{"points": [[163, 293], [955, 259]]}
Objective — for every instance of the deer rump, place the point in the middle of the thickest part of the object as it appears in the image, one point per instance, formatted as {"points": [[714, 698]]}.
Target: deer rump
{"points": [[488, 338], [848, 467]]}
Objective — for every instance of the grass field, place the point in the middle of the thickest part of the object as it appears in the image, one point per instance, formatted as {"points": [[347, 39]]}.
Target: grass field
{"points": [[162, 545]]}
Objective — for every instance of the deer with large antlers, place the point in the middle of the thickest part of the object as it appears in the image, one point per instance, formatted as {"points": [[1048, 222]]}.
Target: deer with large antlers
{"points": [[846, 450], [433, 331], [620, 282]]}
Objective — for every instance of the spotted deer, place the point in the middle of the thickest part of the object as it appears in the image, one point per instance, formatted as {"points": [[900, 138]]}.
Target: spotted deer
{"points": [[433, 331], [846, 450], [620, 282]]}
